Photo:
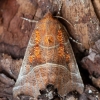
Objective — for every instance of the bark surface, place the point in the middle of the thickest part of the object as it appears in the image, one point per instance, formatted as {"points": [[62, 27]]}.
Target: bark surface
{"points": [[83, 18]]}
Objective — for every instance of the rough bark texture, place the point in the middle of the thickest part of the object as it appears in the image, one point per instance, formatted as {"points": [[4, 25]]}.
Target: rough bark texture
{"points": [[9, 70], [15, 32], [84, 17], [92, 63], [84, 21], [96, 5]]}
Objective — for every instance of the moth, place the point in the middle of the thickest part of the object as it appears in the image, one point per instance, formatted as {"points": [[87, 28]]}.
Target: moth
{"points": [[49, 66]]}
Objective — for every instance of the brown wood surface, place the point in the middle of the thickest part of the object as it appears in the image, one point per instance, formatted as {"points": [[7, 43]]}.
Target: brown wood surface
{"points": [[84, 20], [84, 16]]}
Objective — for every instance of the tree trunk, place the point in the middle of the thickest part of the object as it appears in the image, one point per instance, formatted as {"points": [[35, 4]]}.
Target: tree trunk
{"points": [[83, 19]]}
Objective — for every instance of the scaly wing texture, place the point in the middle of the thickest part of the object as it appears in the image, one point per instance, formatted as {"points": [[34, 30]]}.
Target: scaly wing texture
{"points": [[49, 59]]}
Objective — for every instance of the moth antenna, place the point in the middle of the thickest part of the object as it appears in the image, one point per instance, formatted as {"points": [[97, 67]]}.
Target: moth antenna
{"points": [[64, 20], [32, 21], [75, 41], [60, 6]]}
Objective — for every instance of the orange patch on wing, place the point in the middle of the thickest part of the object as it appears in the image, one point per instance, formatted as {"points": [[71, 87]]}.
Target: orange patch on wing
{"points": [[67, 57], [61, 51], [37, 37], [31, 58], [60, 37], [61, 41], [37, 51]]}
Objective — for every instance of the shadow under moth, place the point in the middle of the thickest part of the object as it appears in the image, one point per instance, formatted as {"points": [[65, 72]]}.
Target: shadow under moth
{"points": [[49, 66]]}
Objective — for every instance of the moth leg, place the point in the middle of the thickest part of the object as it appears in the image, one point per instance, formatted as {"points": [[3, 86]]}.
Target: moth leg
{"points": [[29, 20]]}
